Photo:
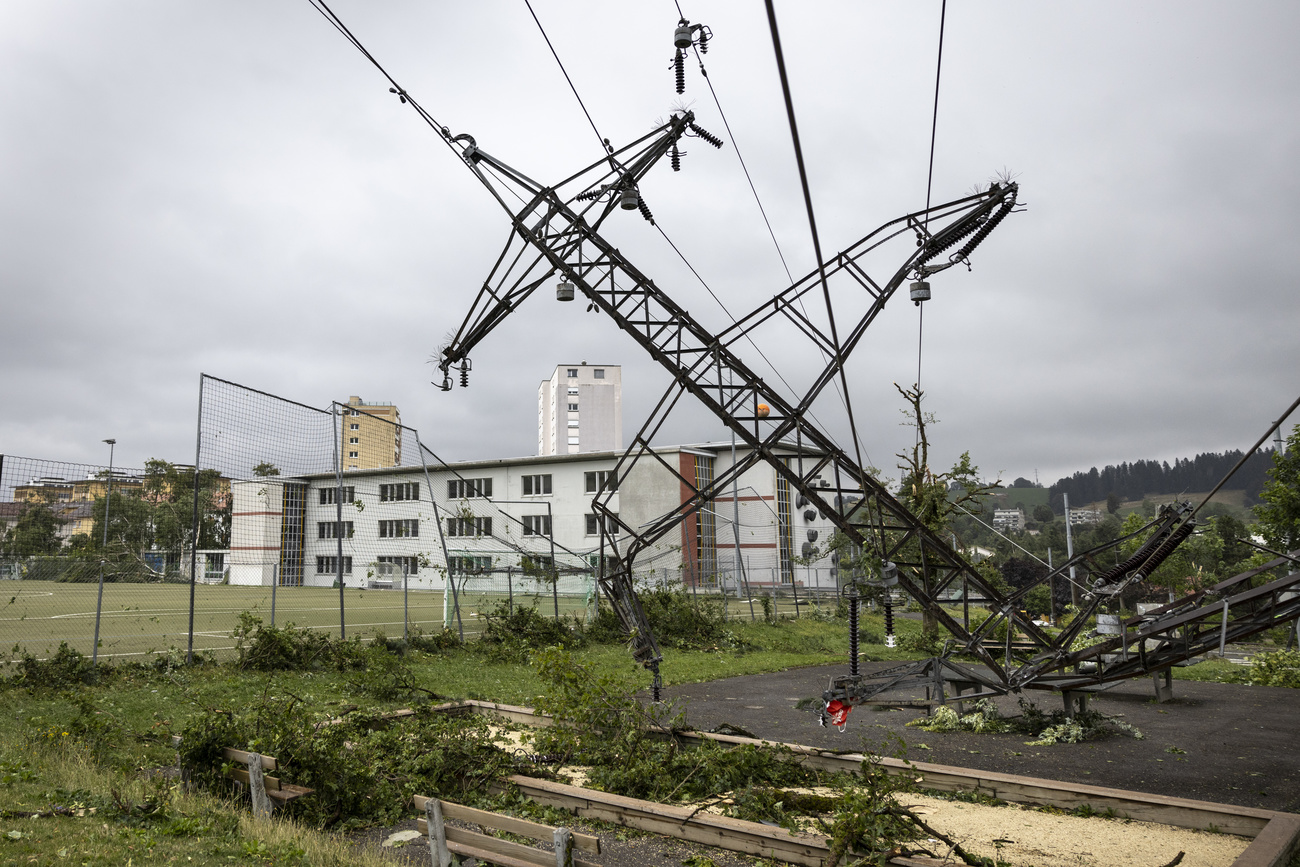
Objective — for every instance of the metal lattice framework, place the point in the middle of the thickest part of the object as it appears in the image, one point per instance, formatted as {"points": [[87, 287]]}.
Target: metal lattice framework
{"points": [[555, 236]]}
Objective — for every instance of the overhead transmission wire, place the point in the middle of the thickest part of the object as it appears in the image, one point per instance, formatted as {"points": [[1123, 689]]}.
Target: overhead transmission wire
{"points": [[812, 225], [929, 180]]}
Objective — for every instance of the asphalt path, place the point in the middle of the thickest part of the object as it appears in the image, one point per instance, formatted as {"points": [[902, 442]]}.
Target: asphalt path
{"points": [[1227, 743]]}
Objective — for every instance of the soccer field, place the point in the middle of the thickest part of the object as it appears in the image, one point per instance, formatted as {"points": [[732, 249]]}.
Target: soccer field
{"points": [[140, 619]]}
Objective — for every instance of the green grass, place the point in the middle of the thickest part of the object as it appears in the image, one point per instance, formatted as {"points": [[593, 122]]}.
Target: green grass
{"points": [[140, 619], [124, 724]]}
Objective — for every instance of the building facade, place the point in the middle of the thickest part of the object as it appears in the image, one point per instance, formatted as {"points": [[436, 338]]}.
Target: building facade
{"points": [[580, 410], [496, 521], [371, 435]]}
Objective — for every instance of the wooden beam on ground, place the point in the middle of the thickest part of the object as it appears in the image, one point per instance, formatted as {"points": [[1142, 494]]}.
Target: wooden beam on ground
{"points": [[464, 842], [510, 824], [682, 823]]}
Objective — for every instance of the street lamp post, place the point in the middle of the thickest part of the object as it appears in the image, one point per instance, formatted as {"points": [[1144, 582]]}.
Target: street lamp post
{"points": [[99, 602]]}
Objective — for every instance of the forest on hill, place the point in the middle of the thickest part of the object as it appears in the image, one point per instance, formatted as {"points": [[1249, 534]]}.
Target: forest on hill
{"points": [[1134, 481]]}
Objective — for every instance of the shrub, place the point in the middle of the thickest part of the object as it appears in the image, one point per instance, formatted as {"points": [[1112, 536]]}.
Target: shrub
{"points": [[1279, 668]]}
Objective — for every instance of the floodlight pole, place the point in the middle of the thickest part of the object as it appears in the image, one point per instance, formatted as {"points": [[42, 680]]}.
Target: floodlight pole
{"points": [[99, 601]]}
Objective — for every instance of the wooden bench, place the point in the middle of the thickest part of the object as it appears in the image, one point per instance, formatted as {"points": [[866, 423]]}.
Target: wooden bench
{"points": [[445, 839], [264, 790]]}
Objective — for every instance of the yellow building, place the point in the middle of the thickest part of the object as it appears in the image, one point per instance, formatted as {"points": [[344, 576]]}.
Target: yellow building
{"points": [[371, 435]]}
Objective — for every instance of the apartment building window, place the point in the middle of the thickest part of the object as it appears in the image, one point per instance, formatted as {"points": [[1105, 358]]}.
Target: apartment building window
{"points": [[469, 526], [573, 373], [330, 529], [356, 412], [573, 424], [330, 565], [573, 407], [573, 441], [594, 524], [537, 525], [464, 489], [411, 565], [398, 528], [573, 391], [327, 495], [468, 565], [354, 426], [399, 491], [536, 486], [598, 373], [352, 454], [352, 441], [601, 480]]}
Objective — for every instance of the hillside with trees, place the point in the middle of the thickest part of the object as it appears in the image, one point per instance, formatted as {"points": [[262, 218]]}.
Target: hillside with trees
{"points": [[1140, 479]]}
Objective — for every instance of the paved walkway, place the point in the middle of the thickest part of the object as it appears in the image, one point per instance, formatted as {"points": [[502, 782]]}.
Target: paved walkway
{"points": [[1239, 744]]}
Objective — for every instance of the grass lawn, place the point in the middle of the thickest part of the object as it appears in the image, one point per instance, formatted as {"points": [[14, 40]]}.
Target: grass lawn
{"points": [[140, 619], [93, 751]]}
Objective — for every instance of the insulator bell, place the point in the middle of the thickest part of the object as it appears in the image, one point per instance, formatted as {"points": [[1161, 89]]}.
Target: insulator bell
{"points": [[888, 573], [564, 292], [628, 200], [920, 291], [679, 67], [682, 35], [464, 374], [675, 156]]}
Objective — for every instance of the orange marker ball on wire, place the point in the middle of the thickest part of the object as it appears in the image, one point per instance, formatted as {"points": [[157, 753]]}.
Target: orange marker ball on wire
{"points": [[763, 410]]}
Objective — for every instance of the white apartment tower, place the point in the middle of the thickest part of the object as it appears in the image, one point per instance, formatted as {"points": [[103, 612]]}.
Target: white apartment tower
{"points": [[580, 409]]}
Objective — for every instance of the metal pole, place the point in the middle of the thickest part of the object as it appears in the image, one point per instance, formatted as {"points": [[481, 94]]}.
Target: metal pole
{"points": [[449, 579], [339, 422], [1069, 552], [510, 591], [1051, 589], [555, 572], [1223, 631], [735, 512], [275, 582], [406, 608], [99, 600]]}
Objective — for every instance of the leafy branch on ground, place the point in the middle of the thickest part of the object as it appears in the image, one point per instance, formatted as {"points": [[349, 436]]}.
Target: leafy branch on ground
{"points": [[1045, 728]]}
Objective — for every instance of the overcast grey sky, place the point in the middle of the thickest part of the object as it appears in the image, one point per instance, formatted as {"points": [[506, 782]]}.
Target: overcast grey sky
{"points": [[229, 188]]}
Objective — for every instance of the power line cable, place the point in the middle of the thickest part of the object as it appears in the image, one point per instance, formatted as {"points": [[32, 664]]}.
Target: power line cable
{"points": [[604, 143], [812, 225], [929, 181]]}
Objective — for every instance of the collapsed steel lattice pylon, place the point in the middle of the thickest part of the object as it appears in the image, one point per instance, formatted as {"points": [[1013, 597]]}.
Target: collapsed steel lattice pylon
{"points": [[556, 233]]}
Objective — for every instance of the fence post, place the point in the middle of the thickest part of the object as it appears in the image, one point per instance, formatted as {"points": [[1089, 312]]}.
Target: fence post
{"points": [[99, 603], [437, 831], [275, 582], [406, 608], [257, 787]]}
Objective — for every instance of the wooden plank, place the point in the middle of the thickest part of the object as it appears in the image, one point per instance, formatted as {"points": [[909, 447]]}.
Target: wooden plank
{"points": [[288, 792], [510, 824], [241, 756], [240, 775], [459, 839], [1179, 812], [683, 823], [490, 857], [1274, 846]]}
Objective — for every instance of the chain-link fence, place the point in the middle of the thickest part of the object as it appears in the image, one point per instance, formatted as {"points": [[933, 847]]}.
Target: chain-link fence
{"points": [[336, 519]]}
